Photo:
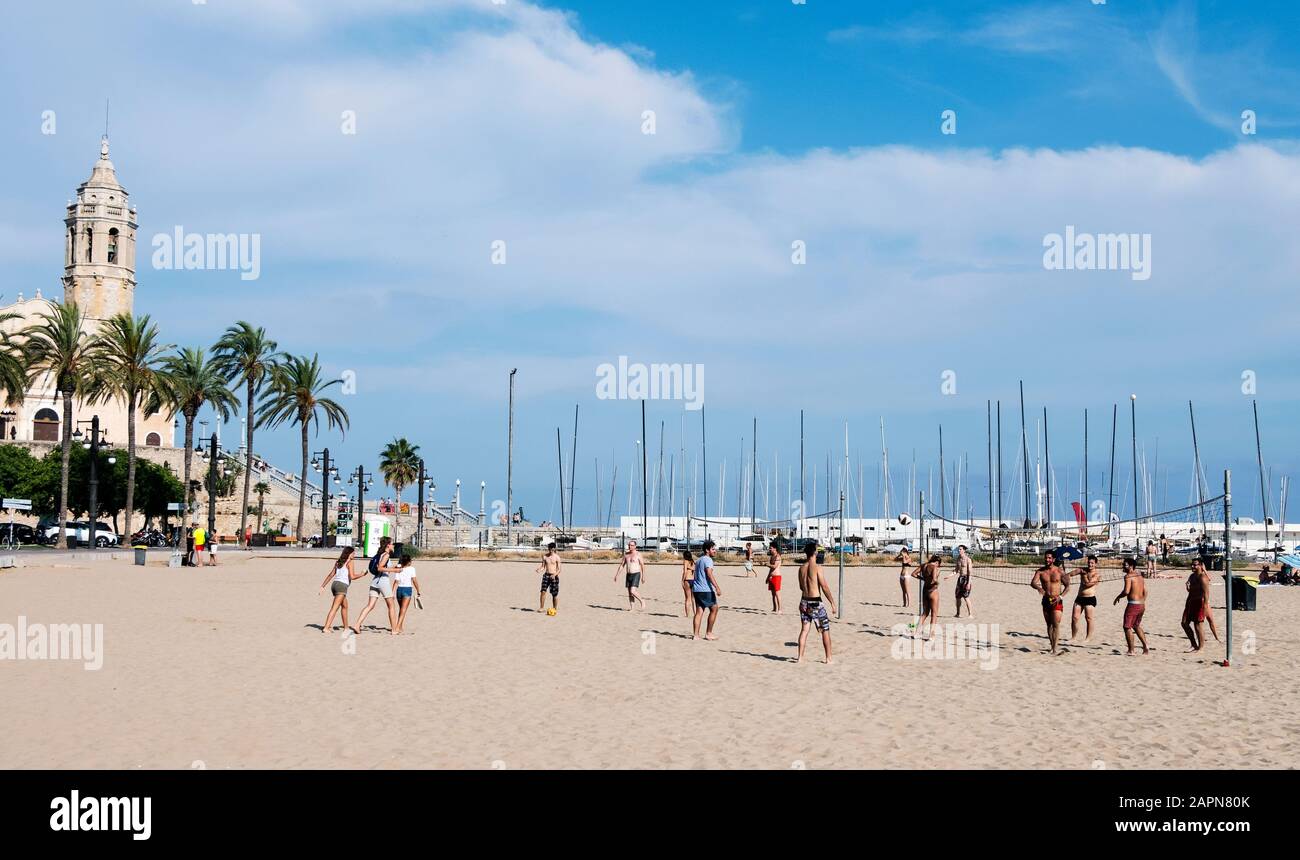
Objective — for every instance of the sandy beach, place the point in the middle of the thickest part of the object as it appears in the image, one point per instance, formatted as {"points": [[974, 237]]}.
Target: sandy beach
{"points": [[228, 668]]}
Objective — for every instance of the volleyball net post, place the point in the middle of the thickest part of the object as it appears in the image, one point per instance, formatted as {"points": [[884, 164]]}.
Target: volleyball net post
{"points": [[922, 544], [839, 600], [1227, 562]]}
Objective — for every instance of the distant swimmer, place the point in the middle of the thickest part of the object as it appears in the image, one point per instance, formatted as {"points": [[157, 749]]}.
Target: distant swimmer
{"points": [[1135, 590], [1052, 584], [550, 571], [1085, 602], [812, 612], [774, 577], [635, 568]]}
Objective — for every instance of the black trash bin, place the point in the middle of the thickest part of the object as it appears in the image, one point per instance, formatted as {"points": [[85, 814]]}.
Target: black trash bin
{"points": [[1243, 594]]}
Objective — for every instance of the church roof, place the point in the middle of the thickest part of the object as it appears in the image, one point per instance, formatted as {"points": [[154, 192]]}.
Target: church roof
{"points": [[103, 174]]}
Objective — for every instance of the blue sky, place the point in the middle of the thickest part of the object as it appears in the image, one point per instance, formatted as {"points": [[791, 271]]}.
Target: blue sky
{"points": [[775, 123]]}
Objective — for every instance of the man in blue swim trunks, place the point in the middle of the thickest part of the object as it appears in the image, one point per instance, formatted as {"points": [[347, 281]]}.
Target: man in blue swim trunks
{"points": [[705, 590]]}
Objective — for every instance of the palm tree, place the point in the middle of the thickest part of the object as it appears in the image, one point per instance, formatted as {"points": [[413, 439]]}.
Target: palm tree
{"points": [[399, 463], [56, 344], [13, 380], [127, 364], [245, 354], [294, 394], [189, 379], [261, 488]]}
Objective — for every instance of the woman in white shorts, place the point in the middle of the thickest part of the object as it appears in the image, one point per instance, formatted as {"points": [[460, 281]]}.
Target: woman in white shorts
{"points": [[381, 585]]}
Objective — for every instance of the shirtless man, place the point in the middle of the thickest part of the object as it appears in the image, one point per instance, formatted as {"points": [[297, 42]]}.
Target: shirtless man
{"points": [[550, 571], [774, 577], [963, 582], [1151, 558], [749, 560], [1085, 602], [1135, 589], [928, 573], [812, 590], [1197, 607], [1052, 584], [635, 568]]}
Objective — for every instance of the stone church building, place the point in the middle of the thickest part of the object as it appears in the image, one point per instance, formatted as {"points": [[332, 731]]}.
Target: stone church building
{"points": [[99, 260]]}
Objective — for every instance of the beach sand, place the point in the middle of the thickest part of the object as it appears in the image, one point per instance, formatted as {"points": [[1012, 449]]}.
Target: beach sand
{"points": [[228, 668]]}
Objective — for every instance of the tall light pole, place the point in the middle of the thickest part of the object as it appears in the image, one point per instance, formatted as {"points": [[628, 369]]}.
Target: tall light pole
{"points": [[97, 438], [419, 514], [510, 462], [1137, 535], [482, 498], [213, 454], [362, 479], [326, 468]]}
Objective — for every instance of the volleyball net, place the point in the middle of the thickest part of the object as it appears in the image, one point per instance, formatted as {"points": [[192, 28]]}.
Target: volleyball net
{"points": [[1162, 544], [729, 533]]}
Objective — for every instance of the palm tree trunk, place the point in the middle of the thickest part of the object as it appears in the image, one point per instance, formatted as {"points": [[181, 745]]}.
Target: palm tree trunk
{"points": [[397, 514], [189, 453], [302, 483], [248, 459], [67, 454], [130, 465], [261, 511]]}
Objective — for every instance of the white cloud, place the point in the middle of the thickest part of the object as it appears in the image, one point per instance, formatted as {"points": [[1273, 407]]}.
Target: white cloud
{"points": [[512, 126]]}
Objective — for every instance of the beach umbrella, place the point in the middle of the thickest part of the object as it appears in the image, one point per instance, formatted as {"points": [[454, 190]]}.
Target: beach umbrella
{"points": [[1067, 553]]}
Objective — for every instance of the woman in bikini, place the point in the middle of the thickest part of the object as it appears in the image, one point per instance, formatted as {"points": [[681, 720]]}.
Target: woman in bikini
{"points": [[688, 575], [903, 574], [635, 568], [338, 579]]}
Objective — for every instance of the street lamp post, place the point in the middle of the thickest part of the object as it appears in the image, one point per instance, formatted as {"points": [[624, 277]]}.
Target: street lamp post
{"points": [[362, 479], [97, 438], [213, 454], [482, 497], [455, 514], [419, 514], [510, 462], [321, 463]]}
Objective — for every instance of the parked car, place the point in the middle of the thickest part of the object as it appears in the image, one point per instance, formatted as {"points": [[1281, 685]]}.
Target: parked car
{"points": [[15, 534], [104, 534], [51, 533], [80, 529]]}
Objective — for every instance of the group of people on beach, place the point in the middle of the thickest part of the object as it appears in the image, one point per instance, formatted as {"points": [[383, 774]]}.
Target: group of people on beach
{"points": [[701, 591], [1052, 582], [396, 584]]}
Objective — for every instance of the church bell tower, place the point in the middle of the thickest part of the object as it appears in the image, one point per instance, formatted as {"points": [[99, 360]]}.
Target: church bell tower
{"points": [[99, 245]]}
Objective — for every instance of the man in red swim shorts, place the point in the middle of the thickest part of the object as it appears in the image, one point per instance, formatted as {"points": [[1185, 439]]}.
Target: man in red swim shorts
{"points": [[1135, 589], [774, 577], [1051, 583], [1197, 606]]}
